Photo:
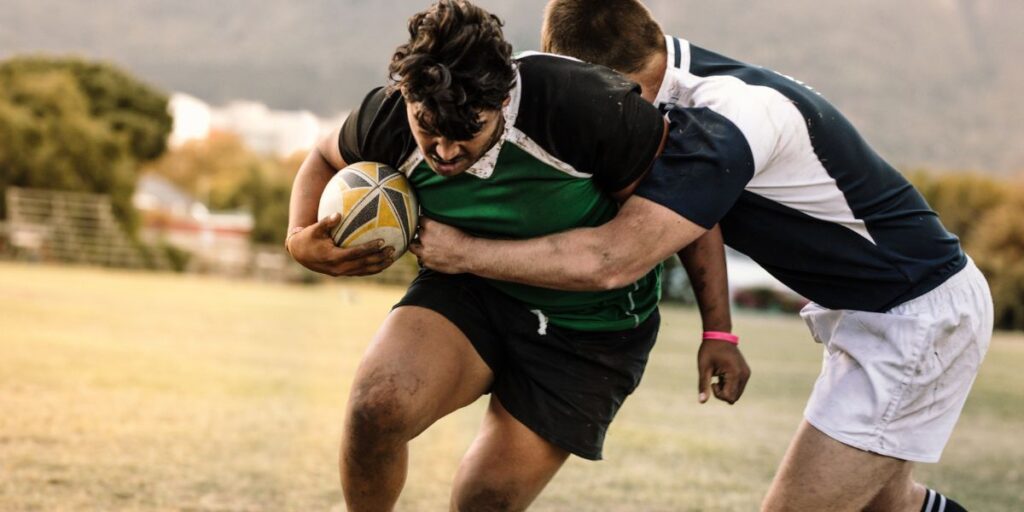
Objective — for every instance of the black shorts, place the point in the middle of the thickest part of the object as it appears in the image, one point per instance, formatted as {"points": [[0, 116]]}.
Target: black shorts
{"points": [[563, 384]]}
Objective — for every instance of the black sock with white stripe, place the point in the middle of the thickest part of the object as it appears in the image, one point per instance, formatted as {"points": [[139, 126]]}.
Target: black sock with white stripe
{"points": [[935, 502]]}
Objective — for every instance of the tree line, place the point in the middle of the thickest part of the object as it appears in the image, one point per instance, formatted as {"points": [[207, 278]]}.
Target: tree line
{"points": [[77, 125], [986, 214]]}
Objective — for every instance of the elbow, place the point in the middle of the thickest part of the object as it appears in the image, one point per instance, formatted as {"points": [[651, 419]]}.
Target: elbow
{"points": [[621, 277], [602, 262], [610, 274]]}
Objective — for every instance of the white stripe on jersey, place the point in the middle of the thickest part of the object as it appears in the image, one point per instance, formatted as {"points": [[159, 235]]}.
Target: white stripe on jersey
{"points": [[786, 169], [931, 500], [517, 137]]}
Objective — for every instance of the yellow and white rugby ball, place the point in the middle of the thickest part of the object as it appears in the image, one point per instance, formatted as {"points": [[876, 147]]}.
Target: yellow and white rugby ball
{"points": [[375, 202]]}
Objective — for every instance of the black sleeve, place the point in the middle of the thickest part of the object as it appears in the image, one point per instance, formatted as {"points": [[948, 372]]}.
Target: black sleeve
{"points": [[377, 131], [629, 145], [589, 117], [704, 168]]}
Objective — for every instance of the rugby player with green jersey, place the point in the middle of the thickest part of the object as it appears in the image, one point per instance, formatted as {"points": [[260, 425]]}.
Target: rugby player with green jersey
{"points": [[550, 170], [502, 148]]}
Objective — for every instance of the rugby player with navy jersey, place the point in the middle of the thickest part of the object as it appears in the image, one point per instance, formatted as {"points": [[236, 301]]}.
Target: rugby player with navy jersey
{"points": [[904, 315], [508, 148]]}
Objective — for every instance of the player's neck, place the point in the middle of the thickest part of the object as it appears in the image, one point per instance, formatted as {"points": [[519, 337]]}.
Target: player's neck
{"points": [[651, 76]]}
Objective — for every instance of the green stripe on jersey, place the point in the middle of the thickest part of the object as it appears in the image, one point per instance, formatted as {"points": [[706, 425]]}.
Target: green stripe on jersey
{"points": [[526, 198]]}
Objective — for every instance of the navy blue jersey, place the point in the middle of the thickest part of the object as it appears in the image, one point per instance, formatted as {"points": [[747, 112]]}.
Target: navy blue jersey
{"points": [[793, 186]]}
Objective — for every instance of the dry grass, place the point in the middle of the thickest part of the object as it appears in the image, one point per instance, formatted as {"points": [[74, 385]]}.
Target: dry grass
{"points": [[127, 391]]}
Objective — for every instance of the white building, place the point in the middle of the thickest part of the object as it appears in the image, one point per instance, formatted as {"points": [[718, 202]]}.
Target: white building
{"points": [[191, 119], [276, 132], [217, 241]]}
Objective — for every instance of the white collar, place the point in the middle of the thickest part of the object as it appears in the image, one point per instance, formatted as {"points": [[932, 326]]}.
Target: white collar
{"points": [[677, 65], [484, 167]]}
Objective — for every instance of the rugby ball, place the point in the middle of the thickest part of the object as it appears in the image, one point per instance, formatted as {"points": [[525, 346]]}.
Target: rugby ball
{"points": [[375, 202]]}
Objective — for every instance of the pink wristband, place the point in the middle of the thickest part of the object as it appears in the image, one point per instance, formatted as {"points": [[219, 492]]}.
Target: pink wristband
{"points": [[721, 336]]}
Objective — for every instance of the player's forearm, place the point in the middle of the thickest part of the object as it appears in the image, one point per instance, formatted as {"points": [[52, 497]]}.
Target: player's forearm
{"points": [[574, 260], [610, 256], [309, 184], [704, 260]]}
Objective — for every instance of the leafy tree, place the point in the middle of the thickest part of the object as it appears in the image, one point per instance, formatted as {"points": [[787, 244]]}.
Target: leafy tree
{"points": [[129, 107], [997, 244], [211, 170], [226, 175], [266, 193], [960, 198], [985, 212], [68, 124]]}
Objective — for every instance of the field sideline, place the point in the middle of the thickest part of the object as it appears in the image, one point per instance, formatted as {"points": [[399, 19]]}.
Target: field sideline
{"points": [[156, 392]]}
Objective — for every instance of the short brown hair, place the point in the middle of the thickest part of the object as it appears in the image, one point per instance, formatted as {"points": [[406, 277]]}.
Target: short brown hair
{"points": [[619, 34], [457, 63]]}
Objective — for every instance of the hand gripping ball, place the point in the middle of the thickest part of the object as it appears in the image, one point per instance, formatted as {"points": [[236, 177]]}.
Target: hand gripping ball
{"points": [[375, 202]]}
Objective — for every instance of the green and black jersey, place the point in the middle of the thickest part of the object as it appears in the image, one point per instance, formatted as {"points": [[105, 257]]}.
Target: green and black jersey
{"points": [[573, 131]]}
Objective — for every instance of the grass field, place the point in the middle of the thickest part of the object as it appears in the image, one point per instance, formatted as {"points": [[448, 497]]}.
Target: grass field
{"points": [[128, 391]]}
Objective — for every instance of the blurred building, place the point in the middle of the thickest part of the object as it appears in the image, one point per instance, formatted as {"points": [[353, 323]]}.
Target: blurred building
{"points": [[213, 241], [275, 132], [751, 286], [191, 118]]}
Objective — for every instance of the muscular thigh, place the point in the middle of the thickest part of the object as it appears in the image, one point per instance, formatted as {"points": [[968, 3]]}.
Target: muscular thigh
{"points": [[421, 363]]}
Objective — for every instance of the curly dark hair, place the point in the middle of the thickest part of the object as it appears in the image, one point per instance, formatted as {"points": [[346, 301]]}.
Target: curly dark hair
{"points": [[456, 63]]}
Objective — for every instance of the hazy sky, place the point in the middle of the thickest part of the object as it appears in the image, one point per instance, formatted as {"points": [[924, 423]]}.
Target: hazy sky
{"points": [[933, 82]]}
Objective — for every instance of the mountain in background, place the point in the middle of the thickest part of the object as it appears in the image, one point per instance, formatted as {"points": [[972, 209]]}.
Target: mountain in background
{"points": [[931, 83]]}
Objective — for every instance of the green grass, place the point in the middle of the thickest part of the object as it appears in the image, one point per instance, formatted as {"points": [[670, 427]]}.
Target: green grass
{"points": [[131, 391]]}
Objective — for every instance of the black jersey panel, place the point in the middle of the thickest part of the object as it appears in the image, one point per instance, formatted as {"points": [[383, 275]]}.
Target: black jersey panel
{"points": [[377, 131], [906, 233], [893, 211], [703, 169], [589, 117], [823, 261]]}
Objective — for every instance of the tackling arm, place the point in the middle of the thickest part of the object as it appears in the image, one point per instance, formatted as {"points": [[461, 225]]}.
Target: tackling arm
{"points": [[606, 257], [613, 255]]}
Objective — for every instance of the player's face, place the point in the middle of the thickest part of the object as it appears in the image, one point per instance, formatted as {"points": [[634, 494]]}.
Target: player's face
{"points": [[449, 157]]}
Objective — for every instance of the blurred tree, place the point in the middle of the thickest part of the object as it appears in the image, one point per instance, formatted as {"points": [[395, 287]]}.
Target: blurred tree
{"points": [[70, 124], [985, 213], [129, 107], [211, 169], [269, 201], [960, 198], [226, 175], [997, 244], [265, 193]]}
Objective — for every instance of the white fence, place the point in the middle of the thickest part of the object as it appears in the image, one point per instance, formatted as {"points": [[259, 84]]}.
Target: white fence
{"points": [[70, 227]]}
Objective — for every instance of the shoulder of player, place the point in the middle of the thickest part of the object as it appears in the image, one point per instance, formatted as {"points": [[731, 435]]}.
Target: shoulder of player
{"points": [[382, 106], [378, 129], [566, 78], [559, 96]]}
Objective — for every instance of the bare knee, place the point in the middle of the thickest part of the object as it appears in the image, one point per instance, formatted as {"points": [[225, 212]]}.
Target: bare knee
{"points": [[380, 411], [486, 498]]}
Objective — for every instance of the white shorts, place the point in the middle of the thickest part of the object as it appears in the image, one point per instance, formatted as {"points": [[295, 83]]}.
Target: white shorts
{"points": [[894, 383]]}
